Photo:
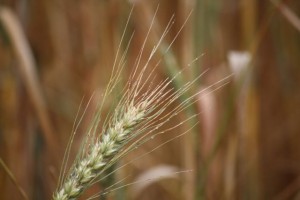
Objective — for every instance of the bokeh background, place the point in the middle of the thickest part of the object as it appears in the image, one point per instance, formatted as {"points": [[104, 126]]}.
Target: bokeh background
{"points": [[247, 144]]}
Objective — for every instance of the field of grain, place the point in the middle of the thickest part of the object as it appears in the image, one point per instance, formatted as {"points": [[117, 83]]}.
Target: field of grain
{"points": [[243, 137]]}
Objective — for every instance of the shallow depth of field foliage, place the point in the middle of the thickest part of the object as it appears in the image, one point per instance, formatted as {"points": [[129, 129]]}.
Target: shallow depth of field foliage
{"points": [[246, 144]]}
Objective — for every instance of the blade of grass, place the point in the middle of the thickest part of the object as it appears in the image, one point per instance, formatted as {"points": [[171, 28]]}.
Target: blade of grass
{"points": [[13, 179], [289, 15]]}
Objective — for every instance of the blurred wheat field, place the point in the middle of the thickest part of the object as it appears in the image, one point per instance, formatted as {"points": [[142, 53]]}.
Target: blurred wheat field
{"points": [[246, 145]]}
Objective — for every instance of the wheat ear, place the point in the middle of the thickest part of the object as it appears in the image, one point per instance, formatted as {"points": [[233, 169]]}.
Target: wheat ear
{"points": [[133, 115], [137, 112]]}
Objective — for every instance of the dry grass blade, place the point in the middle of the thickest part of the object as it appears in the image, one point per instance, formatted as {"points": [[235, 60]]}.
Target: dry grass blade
{"points": [[288, 14], [27, 68], [13, 179]]}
